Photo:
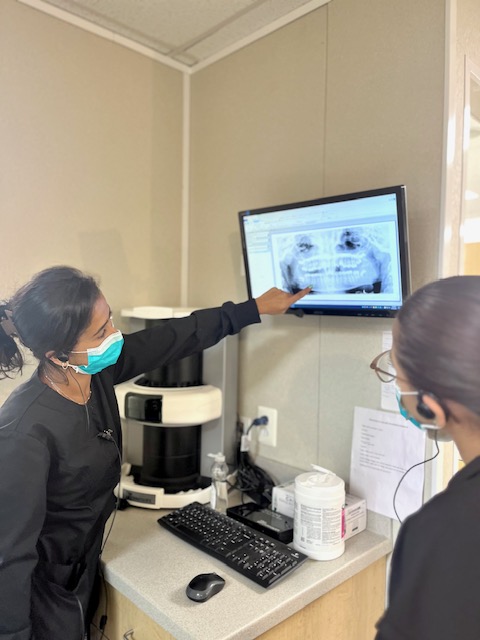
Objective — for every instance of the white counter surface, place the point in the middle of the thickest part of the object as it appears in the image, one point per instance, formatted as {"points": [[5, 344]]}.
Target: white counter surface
{"points": [[152, 567]]}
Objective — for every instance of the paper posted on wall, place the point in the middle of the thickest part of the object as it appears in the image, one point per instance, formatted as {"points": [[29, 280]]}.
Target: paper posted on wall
{"points": [[384, 446]]}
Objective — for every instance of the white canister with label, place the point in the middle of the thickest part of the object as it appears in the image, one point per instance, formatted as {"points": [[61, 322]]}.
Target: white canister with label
{"points": [[319, 514]]}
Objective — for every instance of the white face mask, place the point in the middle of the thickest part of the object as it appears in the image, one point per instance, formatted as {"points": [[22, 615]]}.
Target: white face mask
{"points": [[101, 357]]}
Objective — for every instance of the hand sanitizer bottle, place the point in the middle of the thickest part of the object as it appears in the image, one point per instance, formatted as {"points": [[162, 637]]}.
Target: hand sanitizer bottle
{"points": [[219, 495]]}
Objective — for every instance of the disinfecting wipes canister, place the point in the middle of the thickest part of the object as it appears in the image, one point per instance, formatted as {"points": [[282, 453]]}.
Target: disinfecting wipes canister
{"points": [[318, 521]]}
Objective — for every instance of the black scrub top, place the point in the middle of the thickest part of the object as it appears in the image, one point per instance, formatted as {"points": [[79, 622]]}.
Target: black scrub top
{"points": [[434, 591], [57, 478]]}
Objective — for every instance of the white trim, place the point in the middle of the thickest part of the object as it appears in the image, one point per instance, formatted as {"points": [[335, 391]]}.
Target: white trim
{"points": [[434, 481], [185, 222], [86, 25], [449, 137], [260, 33]]}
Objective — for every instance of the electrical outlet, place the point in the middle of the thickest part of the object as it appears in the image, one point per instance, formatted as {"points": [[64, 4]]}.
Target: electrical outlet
{"points": [[268, 433]]}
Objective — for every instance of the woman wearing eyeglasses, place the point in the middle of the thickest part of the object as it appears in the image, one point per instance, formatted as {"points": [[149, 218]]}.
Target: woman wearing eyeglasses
{"points": [[434, 591]]}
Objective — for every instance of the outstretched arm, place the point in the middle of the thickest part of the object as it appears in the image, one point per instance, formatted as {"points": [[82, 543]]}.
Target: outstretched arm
{"points": [[179, 337]]}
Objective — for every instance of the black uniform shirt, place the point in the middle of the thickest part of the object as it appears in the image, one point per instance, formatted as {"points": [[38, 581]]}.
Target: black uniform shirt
{"points": [[57, 478], [435, 575]]}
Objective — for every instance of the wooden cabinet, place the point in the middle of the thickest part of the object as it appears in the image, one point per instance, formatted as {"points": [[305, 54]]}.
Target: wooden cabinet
{"points": [[348, 612], [124, 616]]}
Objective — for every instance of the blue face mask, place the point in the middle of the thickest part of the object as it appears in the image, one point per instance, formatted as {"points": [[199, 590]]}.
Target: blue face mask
{"points": [[103, 356], [402, 409]]}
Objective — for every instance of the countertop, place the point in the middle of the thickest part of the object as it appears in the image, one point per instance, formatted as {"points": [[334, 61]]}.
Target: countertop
{"points": [[151, 567]]}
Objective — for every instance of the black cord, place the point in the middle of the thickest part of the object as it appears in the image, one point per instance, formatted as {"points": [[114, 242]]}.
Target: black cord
{"points": [[103, 619], [408, 471], [251, 479], [85, 402], [107, 435]]}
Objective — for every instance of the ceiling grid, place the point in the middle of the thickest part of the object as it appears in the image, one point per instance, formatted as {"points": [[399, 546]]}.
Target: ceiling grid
{"points": [[185, 34]]}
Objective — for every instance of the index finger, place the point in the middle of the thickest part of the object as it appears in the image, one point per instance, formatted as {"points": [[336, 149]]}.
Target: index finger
{"points": [[300, 294]]}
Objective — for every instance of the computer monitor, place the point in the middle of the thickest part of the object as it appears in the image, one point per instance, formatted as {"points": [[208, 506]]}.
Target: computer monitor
{"points": [[352, 249]]}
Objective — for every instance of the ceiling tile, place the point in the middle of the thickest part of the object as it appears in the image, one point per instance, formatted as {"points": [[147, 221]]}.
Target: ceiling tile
{"points": [[187, 31]]}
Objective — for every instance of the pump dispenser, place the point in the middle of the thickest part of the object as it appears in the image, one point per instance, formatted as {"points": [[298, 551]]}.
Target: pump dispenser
{"points": [[219, 495]]}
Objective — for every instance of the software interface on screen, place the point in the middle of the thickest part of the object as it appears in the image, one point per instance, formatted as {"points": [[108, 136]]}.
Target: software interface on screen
{"points": [[348, 251]]}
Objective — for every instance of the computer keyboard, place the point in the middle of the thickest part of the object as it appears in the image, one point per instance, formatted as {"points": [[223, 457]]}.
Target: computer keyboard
{"points": [[254, 555]]}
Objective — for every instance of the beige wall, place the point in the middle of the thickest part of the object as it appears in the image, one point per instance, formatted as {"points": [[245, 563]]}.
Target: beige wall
{"points": [[385, 109], [256, 138], [90, 159], [349, 97]]}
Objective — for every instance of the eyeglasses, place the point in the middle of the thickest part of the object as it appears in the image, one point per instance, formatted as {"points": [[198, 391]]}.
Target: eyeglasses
{"points": [[383, 367]]}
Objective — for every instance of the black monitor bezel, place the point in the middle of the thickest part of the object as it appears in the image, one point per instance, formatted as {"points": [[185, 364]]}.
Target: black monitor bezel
{"points": [[402, 226]]}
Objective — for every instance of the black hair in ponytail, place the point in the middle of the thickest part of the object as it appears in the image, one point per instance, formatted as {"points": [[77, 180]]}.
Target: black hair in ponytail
{"points": [[11, 358], [49, 313]]}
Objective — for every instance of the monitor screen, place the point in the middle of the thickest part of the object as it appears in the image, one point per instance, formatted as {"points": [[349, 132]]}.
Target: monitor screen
{"points": [[351, 249]]}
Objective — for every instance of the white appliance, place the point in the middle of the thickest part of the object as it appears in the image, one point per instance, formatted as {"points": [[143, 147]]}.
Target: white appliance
{"points": [[173, 417]]}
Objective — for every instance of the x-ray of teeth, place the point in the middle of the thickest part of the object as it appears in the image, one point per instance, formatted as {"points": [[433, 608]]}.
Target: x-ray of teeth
{"points": [[353, 259]]}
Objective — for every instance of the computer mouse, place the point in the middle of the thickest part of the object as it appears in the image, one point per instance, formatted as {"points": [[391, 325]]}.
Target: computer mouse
{"points": [[202, 587]]}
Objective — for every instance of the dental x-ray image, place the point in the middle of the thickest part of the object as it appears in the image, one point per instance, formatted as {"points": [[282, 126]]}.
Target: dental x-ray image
{"points": [[354, 259]]}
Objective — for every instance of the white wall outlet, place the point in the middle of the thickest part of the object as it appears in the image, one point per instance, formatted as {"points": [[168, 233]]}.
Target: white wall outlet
{"points": [[268, 433]]}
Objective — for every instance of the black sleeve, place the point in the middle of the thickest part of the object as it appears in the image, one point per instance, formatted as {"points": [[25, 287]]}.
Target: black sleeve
{"points": [[433, 592], [180, 337], [24, 462]]}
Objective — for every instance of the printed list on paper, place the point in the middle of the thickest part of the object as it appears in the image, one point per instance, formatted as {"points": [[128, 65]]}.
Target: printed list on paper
{"points": [[384, 446]]}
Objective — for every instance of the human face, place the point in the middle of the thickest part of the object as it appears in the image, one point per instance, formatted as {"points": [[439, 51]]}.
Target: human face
{"points": [[408, 394], [100, 327], [410, 398], [388, 370]]}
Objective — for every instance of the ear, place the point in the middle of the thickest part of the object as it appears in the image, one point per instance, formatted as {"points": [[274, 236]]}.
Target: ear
{"points": [[434, 408], [52, 356]]}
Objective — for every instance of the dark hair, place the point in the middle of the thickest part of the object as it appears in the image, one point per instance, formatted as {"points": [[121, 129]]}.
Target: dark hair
{"points": [[11, 358], [49, 313], [438, 340]]}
